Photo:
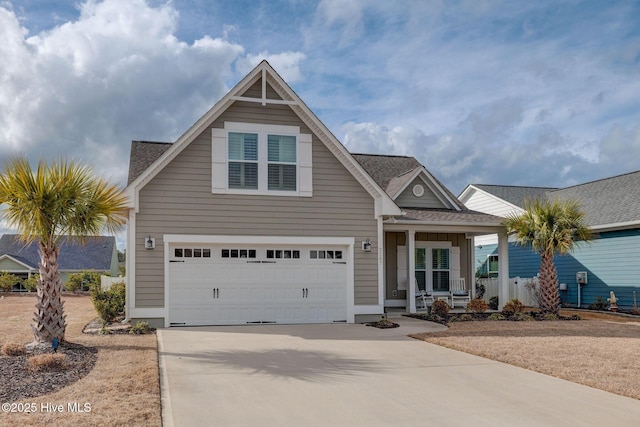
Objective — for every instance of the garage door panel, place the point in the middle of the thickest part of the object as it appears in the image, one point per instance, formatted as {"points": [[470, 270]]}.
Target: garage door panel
{"points": [[217, 291]]}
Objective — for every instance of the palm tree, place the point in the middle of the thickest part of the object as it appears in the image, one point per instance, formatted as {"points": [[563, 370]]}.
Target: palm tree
{"points": [[550, 227], [45, 205]]}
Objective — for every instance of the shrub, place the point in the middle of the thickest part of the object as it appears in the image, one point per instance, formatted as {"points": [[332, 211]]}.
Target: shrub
{"points": [[7, 280], [512, 307], [523, 317], [495, 316], [14, 349], [550, 316], [47, 362], [466, 318], [440, 308], [493, 303], [110, 303], [598, 304], [480, 290], [477, 305], [31, 284], [455, 319], [141, 328], [83, 281]]}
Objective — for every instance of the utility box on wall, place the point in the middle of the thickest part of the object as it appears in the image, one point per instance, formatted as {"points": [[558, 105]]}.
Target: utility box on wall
{"points": [[581, 277]]}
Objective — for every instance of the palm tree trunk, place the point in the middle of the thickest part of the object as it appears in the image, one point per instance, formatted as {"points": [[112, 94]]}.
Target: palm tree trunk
{"points": [[549, 293], [49, 315]]}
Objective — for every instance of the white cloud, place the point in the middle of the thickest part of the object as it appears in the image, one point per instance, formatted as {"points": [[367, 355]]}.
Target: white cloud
{"points": [[86, 88], [287, 64]]}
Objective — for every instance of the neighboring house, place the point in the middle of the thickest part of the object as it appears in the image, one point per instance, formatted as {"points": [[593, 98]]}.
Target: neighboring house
{"points": [[611, 261], [258, 214], [98, 253]]}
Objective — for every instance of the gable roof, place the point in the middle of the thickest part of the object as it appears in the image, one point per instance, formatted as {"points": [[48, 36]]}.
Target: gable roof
{"points": [[285, 96], [607, 202], [96, 254], [395, 173], [515, 195], [143, 154]]}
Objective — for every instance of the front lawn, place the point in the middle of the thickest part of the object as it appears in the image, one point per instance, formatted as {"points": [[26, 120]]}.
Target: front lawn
{"points": [[122, 389], [600, 351]]}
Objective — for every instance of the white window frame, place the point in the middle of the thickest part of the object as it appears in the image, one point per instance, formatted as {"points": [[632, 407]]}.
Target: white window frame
{"points": [[492, 273], [428, 246], [220, 159]]}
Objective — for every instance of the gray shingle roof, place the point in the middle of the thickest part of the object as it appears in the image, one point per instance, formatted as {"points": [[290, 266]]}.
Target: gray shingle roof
{"points": [[606, 201], [514, 194], [387, 169], [143, 154], [448, 216], [96, 254], [392, 172]]}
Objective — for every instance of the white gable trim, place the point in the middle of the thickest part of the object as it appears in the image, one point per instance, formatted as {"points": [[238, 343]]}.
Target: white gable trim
{"points": [[28, 267], [383, 203], [466, 195], [432, 184]]}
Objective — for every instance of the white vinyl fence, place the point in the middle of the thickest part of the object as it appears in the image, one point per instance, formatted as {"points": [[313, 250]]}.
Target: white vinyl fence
{"points": [[107, 281], [519, 287]]}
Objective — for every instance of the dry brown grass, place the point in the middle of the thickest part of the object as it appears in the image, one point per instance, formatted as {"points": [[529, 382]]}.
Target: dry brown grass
{"points": [[47, 362], [601, 351], [123, 387]]}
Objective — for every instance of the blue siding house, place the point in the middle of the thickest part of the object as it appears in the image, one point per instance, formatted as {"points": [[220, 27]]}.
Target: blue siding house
{"points": [[611, 261]]}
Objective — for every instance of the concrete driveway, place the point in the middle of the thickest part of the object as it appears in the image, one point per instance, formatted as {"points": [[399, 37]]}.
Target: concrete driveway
{"points": [[353, 375]]}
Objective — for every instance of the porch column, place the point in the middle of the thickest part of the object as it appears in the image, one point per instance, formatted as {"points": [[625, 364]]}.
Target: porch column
{"points": [[503, 269], [411, 268]]}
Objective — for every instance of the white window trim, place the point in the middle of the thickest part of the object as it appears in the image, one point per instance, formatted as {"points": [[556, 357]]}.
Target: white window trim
{"points": [[220, 159], [428, 245]]}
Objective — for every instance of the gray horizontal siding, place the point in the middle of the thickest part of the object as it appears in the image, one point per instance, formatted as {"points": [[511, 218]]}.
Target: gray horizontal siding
{"points": [[179, 201], [428, 200]]}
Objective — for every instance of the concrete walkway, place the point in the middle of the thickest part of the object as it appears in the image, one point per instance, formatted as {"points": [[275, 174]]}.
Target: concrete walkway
{"points": [[354, 375]]}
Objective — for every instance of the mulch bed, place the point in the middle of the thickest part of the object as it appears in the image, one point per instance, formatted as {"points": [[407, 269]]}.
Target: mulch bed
{"points": [[18, 383], [383, 324]]}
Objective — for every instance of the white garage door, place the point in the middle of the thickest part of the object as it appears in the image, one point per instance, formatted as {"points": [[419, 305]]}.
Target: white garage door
{"points": [[231, 284]]}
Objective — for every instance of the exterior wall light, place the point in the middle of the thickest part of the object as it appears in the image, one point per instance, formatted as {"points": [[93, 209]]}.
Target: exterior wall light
{"points": [[366, 245], [149, 242]]}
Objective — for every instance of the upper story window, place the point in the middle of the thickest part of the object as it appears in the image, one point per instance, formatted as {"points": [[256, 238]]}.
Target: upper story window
{"points": [[243, 160], [251, 158]]}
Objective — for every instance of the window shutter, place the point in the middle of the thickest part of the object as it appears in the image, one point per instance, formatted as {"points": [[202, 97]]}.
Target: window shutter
{"points": [[305, 165], [218, 161], [455, 262]]}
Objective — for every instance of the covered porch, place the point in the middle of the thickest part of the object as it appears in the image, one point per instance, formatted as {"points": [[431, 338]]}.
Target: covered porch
{"points": [[429, 256]]}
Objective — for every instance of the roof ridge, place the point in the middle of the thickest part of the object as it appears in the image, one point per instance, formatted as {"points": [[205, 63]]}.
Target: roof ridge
{"points": [[384, 155], [518, 186], [597, 180]]}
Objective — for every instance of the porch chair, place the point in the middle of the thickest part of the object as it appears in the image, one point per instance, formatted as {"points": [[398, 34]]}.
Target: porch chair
{"points": [[459, 292], [424, 295]]}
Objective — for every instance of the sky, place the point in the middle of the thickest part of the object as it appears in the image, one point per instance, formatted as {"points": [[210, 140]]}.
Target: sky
{"points": [[535, 93]]}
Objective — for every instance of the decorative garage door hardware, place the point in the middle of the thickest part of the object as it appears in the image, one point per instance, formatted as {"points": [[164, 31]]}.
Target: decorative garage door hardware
{"points": [[305, 292], [216, 293]]}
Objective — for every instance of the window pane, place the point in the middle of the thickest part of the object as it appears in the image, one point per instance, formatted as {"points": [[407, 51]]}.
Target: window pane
{"points": [[421, 278], [243, 146], [178, 253], [187, 253], [252, 253], [234, 253], [441, 281], [197, 253], [421, 258], [281, 148], [493, 263], [282, 177], [225, 253], [313, 254], [270, 253], [206, 253], [440, 260], [243, 175]]}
